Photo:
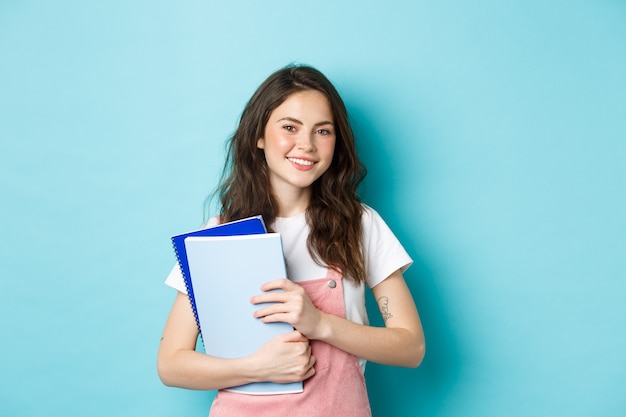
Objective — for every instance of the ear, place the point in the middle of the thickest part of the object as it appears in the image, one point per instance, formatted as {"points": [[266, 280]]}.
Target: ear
{"points": [[260, 143]]}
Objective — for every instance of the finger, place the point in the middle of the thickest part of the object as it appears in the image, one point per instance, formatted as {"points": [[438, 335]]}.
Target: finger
{"points": [[275, 308], [270, 297], [278, 318], [293, 336], [311, 371], [279, 284]]}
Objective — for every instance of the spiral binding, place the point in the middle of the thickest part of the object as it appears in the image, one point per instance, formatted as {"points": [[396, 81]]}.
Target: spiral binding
{"points": [[189, 287]]}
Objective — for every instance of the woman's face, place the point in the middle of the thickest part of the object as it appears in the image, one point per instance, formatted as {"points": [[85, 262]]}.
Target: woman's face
{"points": [[299, 141]]}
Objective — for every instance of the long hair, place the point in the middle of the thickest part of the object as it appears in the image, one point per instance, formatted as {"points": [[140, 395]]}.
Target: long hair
{"points": [[334, 214]]}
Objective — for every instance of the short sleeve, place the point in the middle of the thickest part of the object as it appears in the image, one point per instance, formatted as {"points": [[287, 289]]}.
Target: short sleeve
{"points": [[175, 278], [384, 254]]}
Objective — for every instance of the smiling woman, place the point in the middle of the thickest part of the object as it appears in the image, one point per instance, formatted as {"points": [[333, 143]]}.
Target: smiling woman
{"points": [[293, 160]]}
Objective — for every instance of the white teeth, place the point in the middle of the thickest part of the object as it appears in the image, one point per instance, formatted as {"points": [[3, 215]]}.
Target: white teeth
{"points": [[300, 161]]}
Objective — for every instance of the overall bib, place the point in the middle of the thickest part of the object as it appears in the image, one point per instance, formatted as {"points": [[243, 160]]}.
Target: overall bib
{"points": [[336, 389]]}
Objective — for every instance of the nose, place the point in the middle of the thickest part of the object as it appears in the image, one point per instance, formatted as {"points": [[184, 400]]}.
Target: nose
{"points": [[305, 142]]}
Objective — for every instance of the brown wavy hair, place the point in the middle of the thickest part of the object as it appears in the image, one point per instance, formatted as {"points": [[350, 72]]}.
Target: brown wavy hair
{"points": [[334, 213]]}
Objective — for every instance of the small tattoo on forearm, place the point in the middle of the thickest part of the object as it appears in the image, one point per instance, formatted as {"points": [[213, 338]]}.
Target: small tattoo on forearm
{"points": [[383, 304]]}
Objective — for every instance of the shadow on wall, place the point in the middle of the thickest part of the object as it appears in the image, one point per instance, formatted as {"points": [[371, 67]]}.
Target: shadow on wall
{"points": [[398, 391]]}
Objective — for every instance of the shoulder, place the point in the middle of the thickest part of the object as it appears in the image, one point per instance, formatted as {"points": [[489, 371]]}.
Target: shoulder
{"points": [[383, 252], [375, 229], [368, 212], [212, 221], [370, 217]]}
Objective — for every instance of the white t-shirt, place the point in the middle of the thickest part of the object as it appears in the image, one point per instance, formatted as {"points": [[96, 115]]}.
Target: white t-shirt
{"points": [[383, 255]]}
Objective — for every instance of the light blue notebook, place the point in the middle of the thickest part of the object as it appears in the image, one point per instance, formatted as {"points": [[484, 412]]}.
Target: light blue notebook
{"points": [[226, 271]]}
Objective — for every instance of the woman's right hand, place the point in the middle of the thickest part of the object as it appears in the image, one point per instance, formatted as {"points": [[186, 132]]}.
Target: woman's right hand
{"points": [[285, 358]]}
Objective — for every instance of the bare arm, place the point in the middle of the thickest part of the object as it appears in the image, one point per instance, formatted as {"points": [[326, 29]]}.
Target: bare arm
{"points": [[400, 342], [286, 358]]}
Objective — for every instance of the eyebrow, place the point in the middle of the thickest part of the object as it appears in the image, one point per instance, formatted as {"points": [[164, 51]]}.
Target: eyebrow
{"points": [[293, 120]]}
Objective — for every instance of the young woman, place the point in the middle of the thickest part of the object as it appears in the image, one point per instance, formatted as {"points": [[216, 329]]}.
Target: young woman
{"points": [[293, 160]]}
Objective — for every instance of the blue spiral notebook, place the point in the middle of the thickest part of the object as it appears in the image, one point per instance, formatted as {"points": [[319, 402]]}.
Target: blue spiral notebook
{"points": [[247, 226]]}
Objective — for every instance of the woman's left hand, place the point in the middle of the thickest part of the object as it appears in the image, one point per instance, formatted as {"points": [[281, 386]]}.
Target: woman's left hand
{"points": [[291, 305]]}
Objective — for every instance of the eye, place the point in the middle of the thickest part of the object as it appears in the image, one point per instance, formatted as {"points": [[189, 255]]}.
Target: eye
{"points": [[323, 132], [289, 128]]}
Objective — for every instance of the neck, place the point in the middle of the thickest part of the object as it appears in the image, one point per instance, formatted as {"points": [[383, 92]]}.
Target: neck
{"points": [[293, 203]]}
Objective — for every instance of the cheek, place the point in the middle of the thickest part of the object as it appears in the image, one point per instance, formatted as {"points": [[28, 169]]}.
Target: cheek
{"points": [[328, 148], [280, 143], [284, 142]]}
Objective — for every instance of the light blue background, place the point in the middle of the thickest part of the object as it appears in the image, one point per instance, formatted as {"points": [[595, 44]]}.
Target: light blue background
{"points": [[494, 134]]}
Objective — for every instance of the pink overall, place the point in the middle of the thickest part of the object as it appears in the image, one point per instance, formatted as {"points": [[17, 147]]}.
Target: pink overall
{"points": [[336, 389]]}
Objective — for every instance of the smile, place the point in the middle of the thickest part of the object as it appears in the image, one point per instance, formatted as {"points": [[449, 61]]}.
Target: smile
{"points": [[301, 161]]}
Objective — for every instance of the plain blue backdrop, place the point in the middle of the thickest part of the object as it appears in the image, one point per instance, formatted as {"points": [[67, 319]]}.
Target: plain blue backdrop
{"points": [[494, 134]]}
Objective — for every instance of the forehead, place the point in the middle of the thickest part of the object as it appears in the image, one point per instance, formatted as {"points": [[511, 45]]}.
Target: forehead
{"points": [[307, 104]]}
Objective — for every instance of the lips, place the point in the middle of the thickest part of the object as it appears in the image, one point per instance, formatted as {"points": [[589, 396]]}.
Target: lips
{"points": [[302, 162]]}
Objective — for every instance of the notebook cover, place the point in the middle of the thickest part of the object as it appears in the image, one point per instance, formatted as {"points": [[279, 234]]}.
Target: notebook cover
{"points": [[226, 272]]}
